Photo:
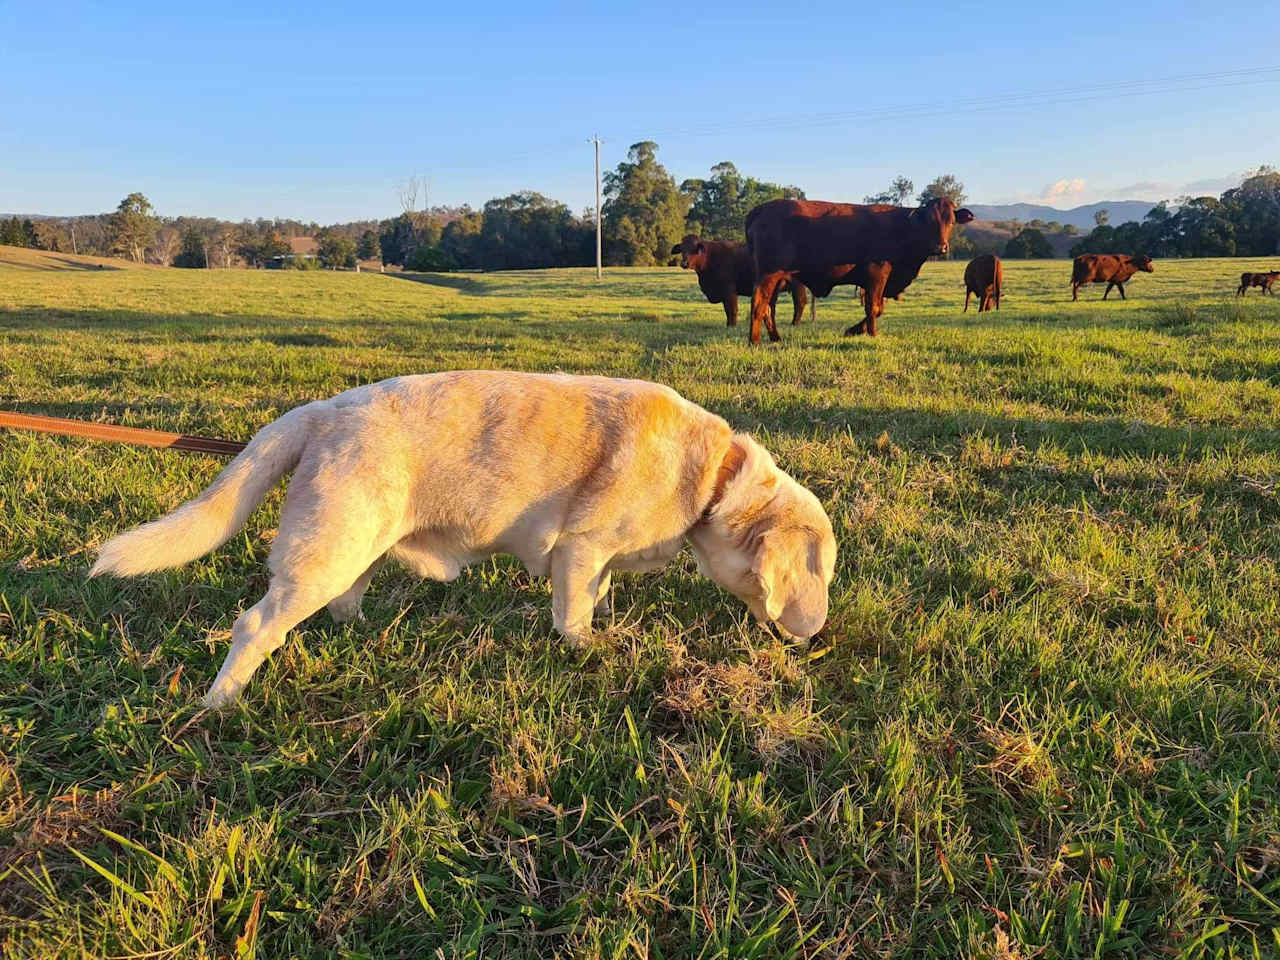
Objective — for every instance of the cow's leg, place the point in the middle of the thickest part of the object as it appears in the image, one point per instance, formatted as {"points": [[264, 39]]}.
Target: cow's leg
{"points": [[1075, 291], [1110, 284], [731, 310], [763, 295], [772, 323], [873, 305], [813, 306], [798, 300], [967, 292], [1120, 287]]}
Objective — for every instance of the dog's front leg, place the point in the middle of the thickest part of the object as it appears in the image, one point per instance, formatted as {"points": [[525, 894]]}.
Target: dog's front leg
{"points": [[577, 571], [604, 600]]}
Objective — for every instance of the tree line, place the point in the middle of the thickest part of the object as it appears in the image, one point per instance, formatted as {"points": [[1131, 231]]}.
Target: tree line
{"points": [[645, 213], [1243, 222]]}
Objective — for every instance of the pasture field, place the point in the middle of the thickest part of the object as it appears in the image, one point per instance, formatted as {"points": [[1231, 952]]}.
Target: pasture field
{"points": [[1044, 720]]}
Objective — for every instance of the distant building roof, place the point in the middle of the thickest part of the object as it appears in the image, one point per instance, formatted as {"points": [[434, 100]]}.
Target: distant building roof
{"points": [[302, 246]]}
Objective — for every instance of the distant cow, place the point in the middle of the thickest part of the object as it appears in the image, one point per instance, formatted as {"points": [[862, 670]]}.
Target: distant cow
{"points": [[1113, 269], [983, 276], [880, 248], [726, 270], [1263, 280]]}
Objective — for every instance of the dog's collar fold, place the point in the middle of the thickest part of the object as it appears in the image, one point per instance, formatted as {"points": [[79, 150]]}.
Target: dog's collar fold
{"points": [[728, 469]]}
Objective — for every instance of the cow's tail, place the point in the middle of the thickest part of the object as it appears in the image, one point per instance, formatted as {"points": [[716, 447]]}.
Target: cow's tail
{"points": [[208, 521], [997, 275]]}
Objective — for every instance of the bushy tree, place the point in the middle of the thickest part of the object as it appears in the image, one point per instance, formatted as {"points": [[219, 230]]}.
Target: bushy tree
{"points": [[460, 240], [404, 234], [133, 226], [945, 185], [431, 260], [369, 247], [720, 204], [644, 211], [1028, 244], [1254, 209], [525, 231], [12, 234], [192, 255], [336, 250], [898, 194]]}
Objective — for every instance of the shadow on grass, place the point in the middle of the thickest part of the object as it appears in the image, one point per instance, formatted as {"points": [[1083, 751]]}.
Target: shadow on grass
{"points": [[463, 284]]}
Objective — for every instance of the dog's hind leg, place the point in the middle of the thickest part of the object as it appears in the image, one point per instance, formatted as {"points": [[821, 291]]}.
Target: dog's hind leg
{"points": [[346, 608], [324, 552]]}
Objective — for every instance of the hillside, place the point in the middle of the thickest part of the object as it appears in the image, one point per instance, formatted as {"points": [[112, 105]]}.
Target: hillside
{"points": [[1121, 211], [26, 259], [991, 236]]}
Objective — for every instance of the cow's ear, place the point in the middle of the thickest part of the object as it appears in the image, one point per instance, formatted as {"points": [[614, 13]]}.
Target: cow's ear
{"points": [[964, 215], [676, 249]]}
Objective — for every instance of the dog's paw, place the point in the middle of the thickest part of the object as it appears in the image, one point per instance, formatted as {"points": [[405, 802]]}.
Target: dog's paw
{"points": [[345, 611], [221, 695]]}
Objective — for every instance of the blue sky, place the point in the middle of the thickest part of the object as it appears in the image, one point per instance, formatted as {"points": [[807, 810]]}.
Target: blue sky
{"points": [[318, 111]]}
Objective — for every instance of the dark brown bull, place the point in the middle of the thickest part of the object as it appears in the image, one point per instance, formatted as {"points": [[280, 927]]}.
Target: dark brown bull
{"points": [[1113, 269], [984, 276], [726, 270], [880, 248], [1263, 280]]}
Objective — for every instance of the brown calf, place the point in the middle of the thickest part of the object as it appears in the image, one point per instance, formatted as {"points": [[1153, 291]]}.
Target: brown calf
{"points": [[1263, 280], [726, 270], [1113, 269], [983, 276]]}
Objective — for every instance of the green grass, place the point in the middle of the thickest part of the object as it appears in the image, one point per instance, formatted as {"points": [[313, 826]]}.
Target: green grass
{"points": [[1042, 723]]}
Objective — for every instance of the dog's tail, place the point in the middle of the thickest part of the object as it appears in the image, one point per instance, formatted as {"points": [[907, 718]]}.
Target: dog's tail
{"points": [[208, 521]]}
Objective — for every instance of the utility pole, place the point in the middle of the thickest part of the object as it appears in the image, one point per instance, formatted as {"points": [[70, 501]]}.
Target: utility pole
{"points": [[596, 140]]}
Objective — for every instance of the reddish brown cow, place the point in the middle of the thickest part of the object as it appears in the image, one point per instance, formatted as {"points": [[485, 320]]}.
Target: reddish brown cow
{"points": [[1263, 280], [983, 276], [1113, 269], [726, 270], [878, 247]]}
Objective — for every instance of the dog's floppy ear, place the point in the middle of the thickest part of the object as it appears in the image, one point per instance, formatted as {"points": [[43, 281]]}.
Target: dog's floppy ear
{"points": [[787, 565], [768, 565]]}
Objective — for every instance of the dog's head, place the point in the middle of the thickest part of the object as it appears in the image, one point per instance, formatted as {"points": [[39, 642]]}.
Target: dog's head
{"points": [[770, 543]]}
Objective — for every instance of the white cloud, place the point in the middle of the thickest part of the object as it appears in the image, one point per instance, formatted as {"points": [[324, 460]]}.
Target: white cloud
{"points": [[1063, 191]]}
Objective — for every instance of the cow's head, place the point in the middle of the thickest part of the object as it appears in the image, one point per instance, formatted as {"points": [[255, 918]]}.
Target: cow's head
{"points": [[932, 223], [1144, 263], [692, 252]]}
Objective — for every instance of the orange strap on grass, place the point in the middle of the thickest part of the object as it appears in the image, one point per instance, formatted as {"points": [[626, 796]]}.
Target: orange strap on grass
{"points": [[112, 433]]}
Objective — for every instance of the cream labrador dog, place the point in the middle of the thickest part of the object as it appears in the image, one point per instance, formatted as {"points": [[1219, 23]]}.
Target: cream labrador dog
{"points": [[574, 476]]}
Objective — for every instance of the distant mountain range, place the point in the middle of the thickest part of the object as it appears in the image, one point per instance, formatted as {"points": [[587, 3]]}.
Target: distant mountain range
{"points": [[1121, 211]]}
